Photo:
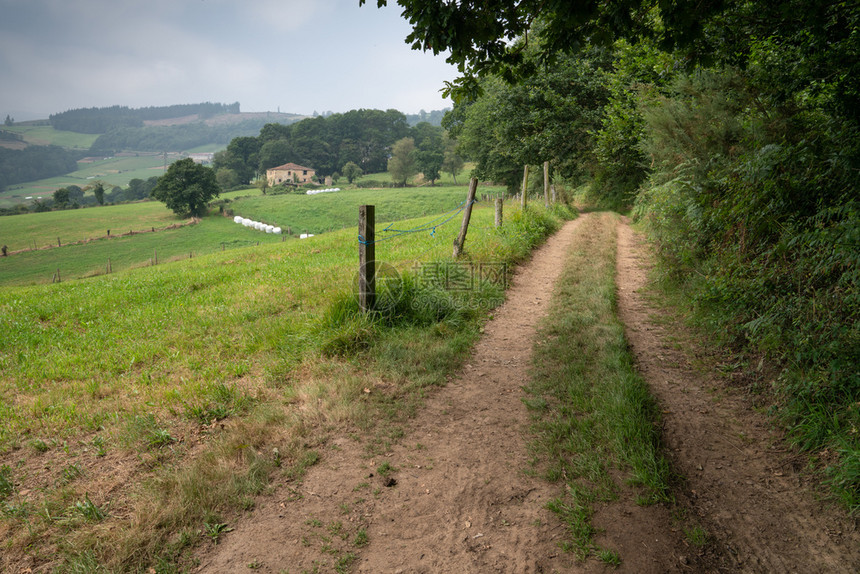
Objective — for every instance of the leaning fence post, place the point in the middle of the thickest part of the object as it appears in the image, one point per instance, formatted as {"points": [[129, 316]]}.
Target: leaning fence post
{"points": [[467, 215], [366, 257], [525, 186], [546, 184]]}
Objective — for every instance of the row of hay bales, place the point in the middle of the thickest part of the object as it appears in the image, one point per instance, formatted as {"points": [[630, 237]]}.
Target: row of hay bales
{"points": [[258, 225]]}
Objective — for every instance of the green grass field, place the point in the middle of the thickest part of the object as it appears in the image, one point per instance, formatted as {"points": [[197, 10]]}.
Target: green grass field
{"points": [[47, 135], [328, 211], [314, 213], [22, 231]]}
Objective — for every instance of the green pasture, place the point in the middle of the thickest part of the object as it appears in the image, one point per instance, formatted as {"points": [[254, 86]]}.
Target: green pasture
{"points": [[79, 261], [328, 211], [79, 354], [22, 231], [47, 135], [314, 213]]}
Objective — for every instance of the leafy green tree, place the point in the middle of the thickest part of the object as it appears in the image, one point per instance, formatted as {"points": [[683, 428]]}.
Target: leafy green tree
{"points": [[76, 194], [99, 193], [242, 155], [401, 164], [61, 198], [227, 178], [429, 162], [452, 162], [352, 172], [274, 153], [187, 188], [9, 120]]}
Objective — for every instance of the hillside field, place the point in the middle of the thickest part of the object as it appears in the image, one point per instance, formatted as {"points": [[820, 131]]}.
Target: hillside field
{"points": [[47, 135], [105, 383], [313, 213]]}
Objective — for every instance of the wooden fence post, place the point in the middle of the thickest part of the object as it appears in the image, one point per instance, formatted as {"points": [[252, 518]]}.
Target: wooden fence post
{"points": [[58, 242], [499, 203], [525, 186], [467, 215], [366, 257], [109, 269], [155, 251], [546, 184]]}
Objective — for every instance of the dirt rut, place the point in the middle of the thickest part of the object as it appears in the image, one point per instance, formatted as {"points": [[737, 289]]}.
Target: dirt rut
{"points": [[740, 479]]}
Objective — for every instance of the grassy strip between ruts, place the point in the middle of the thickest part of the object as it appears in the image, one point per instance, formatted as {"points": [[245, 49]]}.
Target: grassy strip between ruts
{"points": [[593, 416], [141, 412]]}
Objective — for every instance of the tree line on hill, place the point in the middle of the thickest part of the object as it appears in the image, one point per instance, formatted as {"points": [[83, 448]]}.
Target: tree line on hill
{"points": [[731, 127], [35, 162], [363, 138], [102, 120], [171, 138]]}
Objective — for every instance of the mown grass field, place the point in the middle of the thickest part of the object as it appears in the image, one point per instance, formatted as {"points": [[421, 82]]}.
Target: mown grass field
{"points": [[109, 456], [329, 211], [314, 213], [22, 231]]}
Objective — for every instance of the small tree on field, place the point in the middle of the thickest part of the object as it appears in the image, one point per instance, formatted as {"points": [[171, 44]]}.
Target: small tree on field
{"points": [[99, 192], [452, 162], [186, 188], [401, 164], [351, 171], [61, 198]]}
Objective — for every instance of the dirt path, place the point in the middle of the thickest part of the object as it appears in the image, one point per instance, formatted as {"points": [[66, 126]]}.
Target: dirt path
{"points": [[740, 480], [460, 500]]}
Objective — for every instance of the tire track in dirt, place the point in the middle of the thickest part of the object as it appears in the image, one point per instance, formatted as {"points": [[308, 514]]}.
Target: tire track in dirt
{"points": [[738, 481], [463, 501]]}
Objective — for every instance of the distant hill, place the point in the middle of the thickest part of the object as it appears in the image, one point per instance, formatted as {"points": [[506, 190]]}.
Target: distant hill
{"points": [[102, 120], [228, 119]]}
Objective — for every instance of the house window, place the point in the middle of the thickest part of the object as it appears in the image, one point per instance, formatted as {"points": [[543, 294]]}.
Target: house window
{"points": [[305, 172]]}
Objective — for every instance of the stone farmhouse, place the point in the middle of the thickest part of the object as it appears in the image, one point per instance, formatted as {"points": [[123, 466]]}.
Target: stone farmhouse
{"points": [[290, 173]]}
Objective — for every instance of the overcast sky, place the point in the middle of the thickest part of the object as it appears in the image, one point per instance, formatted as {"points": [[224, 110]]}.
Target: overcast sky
{"points": [[298, 56]]}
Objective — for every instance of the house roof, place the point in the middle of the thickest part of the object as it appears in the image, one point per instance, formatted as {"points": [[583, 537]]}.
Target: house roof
{"points": [[291, 166]]}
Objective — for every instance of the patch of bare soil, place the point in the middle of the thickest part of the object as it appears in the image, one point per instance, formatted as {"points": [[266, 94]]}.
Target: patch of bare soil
{"points": [[460, 498], [740, 478]]}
